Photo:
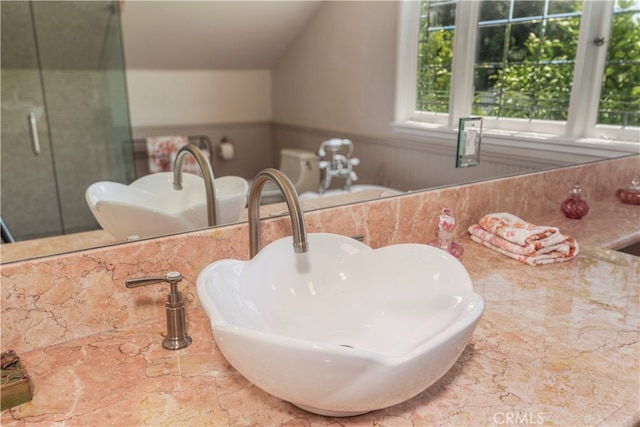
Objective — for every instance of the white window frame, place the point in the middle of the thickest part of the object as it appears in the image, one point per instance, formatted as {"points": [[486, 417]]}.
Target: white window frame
{"points": [[574, 135]]}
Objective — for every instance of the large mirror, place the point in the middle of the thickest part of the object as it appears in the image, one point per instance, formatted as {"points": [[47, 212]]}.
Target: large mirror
{"points": [[261, 75]]}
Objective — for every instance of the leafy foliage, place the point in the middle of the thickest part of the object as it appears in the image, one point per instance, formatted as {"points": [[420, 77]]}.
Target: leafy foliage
{"points": [[434, 72], [525, 69], [620, 96], [537, 86]]}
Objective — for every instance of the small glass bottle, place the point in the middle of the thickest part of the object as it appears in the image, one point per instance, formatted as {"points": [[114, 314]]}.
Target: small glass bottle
{"points": [[575, 207], [444, 241], [630, 194]]}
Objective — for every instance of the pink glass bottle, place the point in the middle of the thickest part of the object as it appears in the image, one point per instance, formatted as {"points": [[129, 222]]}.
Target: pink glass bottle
{"points": [[630, 194], [444, 241], [575, 207]]}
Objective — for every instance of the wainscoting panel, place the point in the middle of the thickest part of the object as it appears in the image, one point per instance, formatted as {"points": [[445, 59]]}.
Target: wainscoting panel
{"points": [[403, 164]]}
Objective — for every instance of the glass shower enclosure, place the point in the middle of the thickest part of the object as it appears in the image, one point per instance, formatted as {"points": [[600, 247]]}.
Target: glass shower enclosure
{"points": [[65, 118]]}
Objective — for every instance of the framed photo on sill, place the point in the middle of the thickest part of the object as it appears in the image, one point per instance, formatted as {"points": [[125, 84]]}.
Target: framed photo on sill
{"points": [[469, 139]]}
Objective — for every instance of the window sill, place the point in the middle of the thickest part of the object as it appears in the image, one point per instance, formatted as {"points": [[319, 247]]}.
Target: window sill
{"points": [[546, 145]]}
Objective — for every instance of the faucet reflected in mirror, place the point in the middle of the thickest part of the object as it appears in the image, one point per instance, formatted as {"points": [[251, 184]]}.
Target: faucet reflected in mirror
{"points": [[207, 175], [338, 165]]}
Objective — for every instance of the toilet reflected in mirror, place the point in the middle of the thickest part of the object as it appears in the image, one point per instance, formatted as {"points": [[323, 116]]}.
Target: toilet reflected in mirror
{"points": [[301, 167]]}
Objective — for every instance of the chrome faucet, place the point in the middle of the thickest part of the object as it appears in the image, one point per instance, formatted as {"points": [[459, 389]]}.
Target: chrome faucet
{"points": [[300, 244], [338, 165], [207, 174]]}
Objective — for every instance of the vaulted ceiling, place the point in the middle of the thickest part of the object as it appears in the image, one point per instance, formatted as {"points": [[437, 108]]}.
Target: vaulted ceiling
{"points": [[176, 35], [165, 35]]}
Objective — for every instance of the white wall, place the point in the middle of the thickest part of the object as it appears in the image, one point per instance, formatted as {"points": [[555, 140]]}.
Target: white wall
{"points": [[205, 62], [174, 97], [340, 73]]}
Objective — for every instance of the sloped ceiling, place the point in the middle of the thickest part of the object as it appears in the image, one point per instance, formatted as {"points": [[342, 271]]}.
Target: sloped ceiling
{"points": [[211, 35]]}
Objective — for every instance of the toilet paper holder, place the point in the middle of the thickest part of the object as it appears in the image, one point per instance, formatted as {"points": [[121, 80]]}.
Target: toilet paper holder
{"points": [[225, 149]]}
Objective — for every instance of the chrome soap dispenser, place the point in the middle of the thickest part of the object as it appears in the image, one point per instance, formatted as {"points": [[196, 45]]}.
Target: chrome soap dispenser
{"points": [[176, 337]]}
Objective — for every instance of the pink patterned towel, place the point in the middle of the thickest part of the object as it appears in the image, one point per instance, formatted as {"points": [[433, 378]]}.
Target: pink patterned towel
{"points": [[162, 152], [513, 229], [528, 243]]}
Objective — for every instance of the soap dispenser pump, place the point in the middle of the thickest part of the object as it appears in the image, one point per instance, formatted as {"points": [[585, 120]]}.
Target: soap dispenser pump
{"points": [[176, 337], [444, 241]]}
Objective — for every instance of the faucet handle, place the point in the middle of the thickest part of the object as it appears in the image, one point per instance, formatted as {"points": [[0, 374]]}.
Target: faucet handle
{"points": [[172, 277]]}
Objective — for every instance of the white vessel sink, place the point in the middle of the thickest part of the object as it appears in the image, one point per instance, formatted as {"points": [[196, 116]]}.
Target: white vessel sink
{"points": [[343, 329], [151, 207]]}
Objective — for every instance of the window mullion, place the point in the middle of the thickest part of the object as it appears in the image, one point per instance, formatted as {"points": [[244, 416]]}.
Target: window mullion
{"points": [[464, 54], [406, 72], [589, 68]]}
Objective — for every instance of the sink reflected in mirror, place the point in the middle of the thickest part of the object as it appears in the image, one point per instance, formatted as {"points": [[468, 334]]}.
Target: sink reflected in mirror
{"points": [[150, 206], [342, 329], [376, 191]]}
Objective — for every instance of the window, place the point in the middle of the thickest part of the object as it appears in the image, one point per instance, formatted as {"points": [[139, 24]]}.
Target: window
{"points": [[566, 69], [620, 95], [525, 57]]}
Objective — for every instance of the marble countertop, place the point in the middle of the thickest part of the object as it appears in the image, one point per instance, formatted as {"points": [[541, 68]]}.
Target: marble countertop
{"points": [[55, 245], [557, 345]]}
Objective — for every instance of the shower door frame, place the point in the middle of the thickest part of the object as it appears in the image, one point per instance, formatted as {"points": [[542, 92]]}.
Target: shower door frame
{"points": [[83, 121]]}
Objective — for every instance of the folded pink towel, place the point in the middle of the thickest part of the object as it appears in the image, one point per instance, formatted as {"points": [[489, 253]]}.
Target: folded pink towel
{"points": [[530, 249], [518, 239], [162, 152], [516, 230], [540, 259]]}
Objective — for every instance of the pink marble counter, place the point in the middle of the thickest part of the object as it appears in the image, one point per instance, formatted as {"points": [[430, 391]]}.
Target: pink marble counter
{"points": [[557, 344], [55, 245], [552, 346]]}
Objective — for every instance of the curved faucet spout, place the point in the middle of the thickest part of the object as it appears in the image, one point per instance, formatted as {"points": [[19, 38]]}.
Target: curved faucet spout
{"points": [[300, 244], [207, 174]]}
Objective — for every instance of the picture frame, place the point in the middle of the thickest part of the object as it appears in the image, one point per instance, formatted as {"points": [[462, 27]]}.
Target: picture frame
{"points": [[469, 140]]}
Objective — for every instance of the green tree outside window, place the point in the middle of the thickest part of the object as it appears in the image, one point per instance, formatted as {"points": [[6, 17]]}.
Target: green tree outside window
{"points": [[524, 65]]}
